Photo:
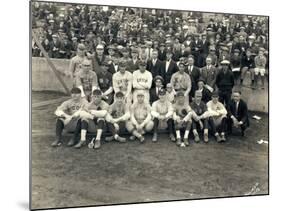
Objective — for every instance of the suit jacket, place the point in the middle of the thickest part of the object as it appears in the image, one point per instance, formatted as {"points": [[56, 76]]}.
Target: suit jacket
{"points": [[162, 55], [133, 66], [209, 75], [178, 54], [206, 95], [194, 75], [156, 69], [111, 69], [167, 74], [241, 114], [153, 95]]}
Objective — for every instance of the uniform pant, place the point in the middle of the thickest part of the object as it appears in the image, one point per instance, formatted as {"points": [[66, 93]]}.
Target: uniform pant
{"points": [[169, 123], [196, 125], [218, 126], [99, 123], [131, 127], [60, 125], [116, 128], [183, 125]]}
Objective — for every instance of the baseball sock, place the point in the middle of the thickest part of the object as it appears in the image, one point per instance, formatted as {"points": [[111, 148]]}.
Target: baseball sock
{"points": [[178, 133], [186, 134], [99, 132], [59, 128], [83, 135]]}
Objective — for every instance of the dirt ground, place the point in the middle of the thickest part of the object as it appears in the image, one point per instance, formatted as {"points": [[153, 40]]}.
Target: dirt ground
{"points": [[134, 172]]}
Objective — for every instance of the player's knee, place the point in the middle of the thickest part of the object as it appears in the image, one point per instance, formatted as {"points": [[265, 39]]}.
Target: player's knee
{"points": [[129, 126], [149, 126]]}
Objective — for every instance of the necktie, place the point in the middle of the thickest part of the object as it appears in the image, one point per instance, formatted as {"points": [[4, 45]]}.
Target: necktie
{"points": [[157, 91], [236, 109]]}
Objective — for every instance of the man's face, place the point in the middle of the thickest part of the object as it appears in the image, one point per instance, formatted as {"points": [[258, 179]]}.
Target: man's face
{"points": [[140, 99], [224, 66], [260, 53], [181, 99], [122, 69], [236, 96], [158, 83], [100, 52], [215, 99], [162, 98], [208, 61], [154, 54], [200, 84], [169, 56], [169, 89], [190, 61], [86, 67], [142, 67], [248, 53], [111, 52], [75, 96], [126, 54], [198, 98], [97, 99], [181, 68], [134, 54], [119, 99]]}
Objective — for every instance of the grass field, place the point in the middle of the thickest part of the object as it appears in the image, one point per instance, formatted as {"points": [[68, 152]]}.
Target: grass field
{"points": [[134, 172]]}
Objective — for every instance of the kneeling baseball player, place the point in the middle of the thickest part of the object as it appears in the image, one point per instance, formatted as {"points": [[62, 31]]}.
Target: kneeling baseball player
{"points": [[96, 111], [182, 118], [68, 114], [140, 118], [118, 114], [162, 110]]}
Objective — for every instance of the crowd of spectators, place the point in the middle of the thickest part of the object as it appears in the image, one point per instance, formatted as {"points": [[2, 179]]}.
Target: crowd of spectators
{"points": [[134, 32]]}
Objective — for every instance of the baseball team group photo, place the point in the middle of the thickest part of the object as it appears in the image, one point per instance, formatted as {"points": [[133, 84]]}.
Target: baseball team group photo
{"points": [[135, 105]]}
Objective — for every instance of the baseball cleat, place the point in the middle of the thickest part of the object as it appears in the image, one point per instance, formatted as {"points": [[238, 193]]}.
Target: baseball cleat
{"points": [[178, 143], [206, 138], [142, 139], [109, 138], [172, 137], [196, 138], [71, 142], [154, 138], [223, 137], [121, 139], [79, 144], [186, 142], [132, 138], [56, 143], [97, 144]]}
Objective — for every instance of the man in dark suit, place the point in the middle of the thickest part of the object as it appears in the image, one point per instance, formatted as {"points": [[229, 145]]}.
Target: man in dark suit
{"points": [[162, 52], [170, 67], [133, 64], [196, 48], [238, 113], [225, 82], [208, 73], [154, 92], [194, 73], [114, 65], [154, 65]]}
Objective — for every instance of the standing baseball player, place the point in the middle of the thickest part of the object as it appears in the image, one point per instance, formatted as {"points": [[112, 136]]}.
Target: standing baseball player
{"points": [[181, 81], [142, 81], [182, 118], [76, 61], [140, 120], [122, 82], [95, 113], [119, 113], [87, 80], [68, 114], [162, 110], [105, 83], [217, 117], [200, 118]]}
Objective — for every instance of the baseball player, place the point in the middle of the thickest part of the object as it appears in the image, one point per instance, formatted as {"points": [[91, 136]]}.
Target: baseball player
{"points": [[95, 111], [162, 110], [76, 61], [142, 81], [218, 117], [182, 118], [140, 119], [68, 114], [200, 117], [119, 113], [87, 80], [122, 82]]}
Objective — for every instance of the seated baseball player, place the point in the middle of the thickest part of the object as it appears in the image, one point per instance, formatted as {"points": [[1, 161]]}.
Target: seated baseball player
{"points": [[200, 118], [140, 118], [68, 114], [122, 82], [238, 113], [142, 81], [217, 117], [162, 110], [182, 118], [95, 112], [87, 80], [119, 113]]}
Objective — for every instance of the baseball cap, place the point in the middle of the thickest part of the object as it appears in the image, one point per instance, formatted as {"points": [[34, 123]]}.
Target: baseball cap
{"points": [[75, 90], [162, 92], [97, 92], [215, 94]]}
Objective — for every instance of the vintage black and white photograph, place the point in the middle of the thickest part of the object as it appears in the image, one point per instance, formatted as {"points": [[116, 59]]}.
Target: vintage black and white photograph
{"points": [[136, 105]]}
